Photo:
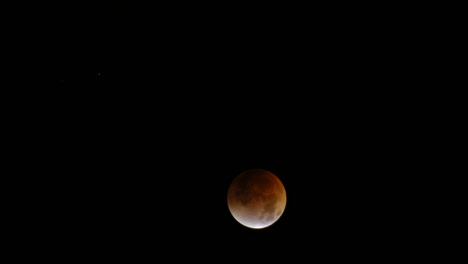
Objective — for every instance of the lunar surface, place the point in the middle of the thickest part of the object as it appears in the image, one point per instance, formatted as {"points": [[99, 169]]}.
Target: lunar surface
{"points": [[256, 198]]}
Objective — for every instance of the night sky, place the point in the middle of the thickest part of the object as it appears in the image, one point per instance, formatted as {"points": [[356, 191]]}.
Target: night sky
{"points": [[145, 127]]}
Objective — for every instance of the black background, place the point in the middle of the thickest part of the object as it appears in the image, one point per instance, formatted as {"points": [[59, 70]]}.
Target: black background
{"points": [[148, 118]]}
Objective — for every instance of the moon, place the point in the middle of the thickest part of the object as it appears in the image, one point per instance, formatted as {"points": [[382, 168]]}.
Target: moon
{"points": [[256, 198]]}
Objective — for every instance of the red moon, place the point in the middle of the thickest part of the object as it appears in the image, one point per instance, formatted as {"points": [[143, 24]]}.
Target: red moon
{"points": [[256, 198]]}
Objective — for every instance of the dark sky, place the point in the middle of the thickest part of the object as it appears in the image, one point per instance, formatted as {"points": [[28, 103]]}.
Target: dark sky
{"points": [[146, 168], [146, 125]]}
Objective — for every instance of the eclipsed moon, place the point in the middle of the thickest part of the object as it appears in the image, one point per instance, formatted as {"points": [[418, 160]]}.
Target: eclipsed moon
{"points": [[256, 198]]}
